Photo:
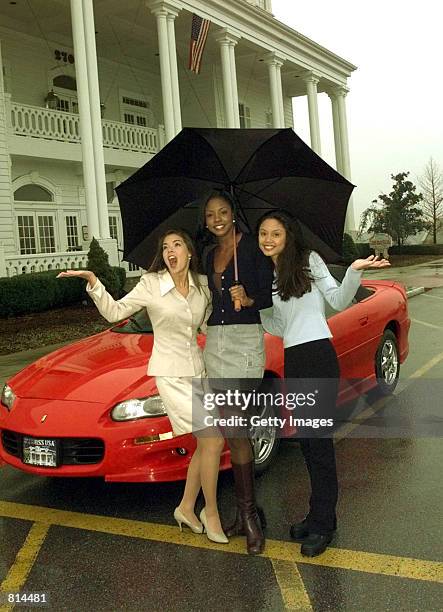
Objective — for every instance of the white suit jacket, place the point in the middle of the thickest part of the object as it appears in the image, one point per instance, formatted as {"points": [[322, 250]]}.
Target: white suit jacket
{"points": [[175, 319]]}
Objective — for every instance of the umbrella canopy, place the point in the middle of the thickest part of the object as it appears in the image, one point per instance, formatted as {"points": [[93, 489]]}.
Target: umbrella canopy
{"points": [[265, 169]]}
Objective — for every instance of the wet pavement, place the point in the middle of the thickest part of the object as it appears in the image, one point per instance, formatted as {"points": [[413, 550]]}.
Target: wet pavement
{"points": [[91, 545], [427, 275]]}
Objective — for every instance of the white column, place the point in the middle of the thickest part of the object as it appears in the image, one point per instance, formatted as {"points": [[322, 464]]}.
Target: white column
{"points": [[280, 95], [232, 44], [336, 127], [227, 42], [165, 70], [341, 93], [85, 119], [94, 102], [174, 71], [274, 68], [311, 86]]}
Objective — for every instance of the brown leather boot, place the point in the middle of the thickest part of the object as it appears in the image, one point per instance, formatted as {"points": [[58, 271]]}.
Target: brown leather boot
{"points": [[247, 521]]}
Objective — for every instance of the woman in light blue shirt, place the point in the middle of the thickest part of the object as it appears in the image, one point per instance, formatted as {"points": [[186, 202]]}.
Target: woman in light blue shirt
{"points": [[302, 284]]}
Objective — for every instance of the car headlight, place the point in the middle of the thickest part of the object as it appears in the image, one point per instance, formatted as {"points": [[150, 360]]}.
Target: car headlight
{"points": [[132, 409], [8, 397]]}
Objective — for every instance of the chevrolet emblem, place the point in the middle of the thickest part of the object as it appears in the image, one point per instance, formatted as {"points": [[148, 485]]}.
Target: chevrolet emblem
{"points": [[44, 417]]}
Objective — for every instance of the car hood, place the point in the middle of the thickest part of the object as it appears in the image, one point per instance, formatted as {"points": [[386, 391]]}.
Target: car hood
{"points": [[105, 368]]}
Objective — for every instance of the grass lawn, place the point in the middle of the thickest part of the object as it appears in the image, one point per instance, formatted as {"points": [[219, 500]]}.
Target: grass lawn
{"points": [[50, 327], [75, 322]]}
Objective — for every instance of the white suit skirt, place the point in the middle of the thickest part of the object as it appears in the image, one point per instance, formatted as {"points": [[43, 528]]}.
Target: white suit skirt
{"points": [[183, 399]]}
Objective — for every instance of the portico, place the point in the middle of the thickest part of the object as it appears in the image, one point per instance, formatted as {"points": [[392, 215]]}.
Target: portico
{"points": [[134, 93]]}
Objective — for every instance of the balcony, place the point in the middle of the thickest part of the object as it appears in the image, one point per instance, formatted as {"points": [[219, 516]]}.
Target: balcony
{"points": [[61, 127]]}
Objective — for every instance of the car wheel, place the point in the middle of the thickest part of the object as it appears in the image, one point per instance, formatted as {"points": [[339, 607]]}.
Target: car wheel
{"points": [[265, 444], [387, 364]]}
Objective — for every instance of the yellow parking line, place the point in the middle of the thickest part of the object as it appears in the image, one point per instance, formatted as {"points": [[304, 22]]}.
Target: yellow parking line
{"points": [[427, 366], [294, 595], [19, 571], [373, 563], [426, 324]]}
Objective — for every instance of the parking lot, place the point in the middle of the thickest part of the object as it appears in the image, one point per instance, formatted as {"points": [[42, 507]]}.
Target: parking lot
{"points": [[90, 545]]}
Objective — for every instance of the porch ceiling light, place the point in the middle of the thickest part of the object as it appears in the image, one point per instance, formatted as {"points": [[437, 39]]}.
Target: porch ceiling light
{"points": [[51, 100]]}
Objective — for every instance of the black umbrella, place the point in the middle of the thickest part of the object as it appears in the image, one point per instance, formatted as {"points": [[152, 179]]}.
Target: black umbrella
{"points": [[264, 169]]}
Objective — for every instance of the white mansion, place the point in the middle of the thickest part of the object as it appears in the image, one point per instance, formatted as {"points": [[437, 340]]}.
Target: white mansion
{"points": [[92, 89]]}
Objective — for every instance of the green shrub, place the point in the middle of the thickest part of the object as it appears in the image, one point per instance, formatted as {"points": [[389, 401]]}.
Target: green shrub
{"points": [[98, 263], [349, 250], [37, 292], [121, 275], [363, 250], [417, 249]]}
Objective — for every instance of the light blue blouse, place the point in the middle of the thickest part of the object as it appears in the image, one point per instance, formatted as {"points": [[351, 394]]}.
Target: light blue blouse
{"points": [[303, 319]]}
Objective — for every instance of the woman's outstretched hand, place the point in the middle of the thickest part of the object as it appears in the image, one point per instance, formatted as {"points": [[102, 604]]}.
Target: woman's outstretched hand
{"points": [[86, 274], [369, 263]]}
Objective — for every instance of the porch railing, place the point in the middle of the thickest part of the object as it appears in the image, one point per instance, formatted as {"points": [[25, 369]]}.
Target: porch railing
{"points": [[13, 265], [49, 124], [40, 262]]}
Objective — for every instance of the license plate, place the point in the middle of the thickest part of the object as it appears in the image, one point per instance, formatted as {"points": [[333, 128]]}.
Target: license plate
{"points": [[40, 451]]}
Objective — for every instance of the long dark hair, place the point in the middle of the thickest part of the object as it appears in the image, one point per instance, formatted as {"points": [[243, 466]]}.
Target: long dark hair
{"points": [[158, 263], [293, 278]]}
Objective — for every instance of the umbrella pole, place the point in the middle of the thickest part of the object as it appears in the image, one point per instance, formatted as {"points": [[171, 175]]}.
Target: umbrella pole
{"points": [[237, 303]]}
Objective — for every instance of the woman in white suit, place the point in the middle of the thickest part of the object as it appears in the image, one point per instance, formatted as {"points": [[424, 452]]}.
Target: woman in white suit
{"points": [[178, 302]]}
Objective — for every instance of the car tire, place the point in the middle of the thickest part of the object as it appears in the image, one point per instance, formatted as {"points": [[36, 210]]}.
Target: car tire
{"points": [[387, 364], [265, 449], [265, 440]]}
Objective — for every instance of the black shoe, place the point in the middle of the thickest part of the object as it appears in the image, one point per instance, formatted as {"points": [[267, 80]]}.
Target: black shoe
{"points": [[299, 531], [315, 544]]}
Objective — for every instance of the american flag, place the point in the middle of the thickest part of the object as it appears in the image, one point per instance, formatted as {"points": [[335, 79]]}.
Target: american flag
{"points": [[199, 34]]}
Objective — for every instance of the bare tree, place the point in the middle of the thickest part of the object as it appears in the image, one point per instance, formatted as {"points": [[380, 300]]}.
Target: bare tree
{"points": [[431, 184]]}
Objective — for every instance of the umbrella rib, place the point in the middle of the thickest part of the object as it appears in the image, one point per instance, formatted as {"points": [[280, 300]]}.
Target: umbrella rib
{"points": [[216, 155], [253, 195], [257, 150]]}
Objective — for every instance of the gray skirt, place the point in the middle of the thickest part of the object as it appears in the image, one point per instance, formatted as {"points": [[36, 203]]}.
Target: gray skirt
{"points": [[234, 356]]}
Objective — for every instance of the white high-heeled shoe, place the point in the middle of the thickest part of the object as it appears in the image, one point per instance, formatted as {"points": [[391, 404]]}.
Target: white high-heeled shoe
{"points": [[219, 538], [182, 520]]}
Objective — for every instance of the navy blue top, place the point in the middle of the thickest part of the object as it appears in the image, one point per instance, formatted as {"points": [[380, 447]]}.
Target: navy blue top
{"points": [[255, 273]]}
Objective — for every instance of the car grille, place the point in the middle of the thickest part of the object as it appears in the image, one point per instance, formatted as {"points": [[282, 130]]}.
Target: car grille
{"points": [[74, 451]]}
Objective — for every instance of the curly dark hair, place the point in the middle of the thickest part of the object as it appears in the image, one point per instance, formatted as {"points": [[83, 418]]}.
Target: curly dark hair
{"points": [[158, 263], [293, 277]]}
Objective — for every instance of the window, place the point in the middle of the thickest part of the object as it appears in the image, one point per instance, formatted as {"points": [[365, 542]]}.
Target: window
{"points": [[65, 86], [35, 219], [72, 233], [113, 228], [245, 115], [110, 194], [40, 241], [26, 233], [32, 193], [46, 233], [136, 110]]}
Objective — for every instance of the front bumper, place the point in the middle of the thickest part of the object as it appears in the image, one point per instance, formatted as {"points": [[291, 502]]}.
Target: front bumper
{"points": [[126, 457]]}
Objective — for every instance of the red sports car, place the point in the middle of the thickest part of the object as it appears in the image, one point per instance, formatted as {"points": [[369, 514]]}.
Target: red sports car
{"points": [[89, 409]]}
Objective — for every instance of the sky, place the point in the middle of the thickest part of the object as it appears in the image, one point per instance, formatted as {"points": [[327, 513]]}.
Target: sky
{"points": [[395, 102]]}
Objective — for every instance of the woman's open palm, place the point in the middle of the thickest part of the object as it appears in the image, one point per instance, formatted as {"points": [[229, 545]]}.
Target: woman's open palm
{"points": [[369, 263], [86, 274]]}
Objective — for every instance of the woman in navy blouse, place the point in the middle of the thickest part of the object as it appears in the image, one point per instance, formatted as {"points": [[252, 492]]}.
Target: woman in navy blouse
{"points": [[234, 352]]}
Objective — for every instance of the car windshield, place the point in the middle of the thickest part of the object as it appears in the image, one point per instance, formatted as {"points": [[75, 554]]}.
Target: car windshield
{"points": [[137, 324]]}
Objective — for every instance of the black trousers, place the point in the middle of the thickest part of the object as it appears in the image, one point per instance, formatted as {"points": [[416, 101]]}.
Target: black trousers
{"points": [[316, 363]]}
